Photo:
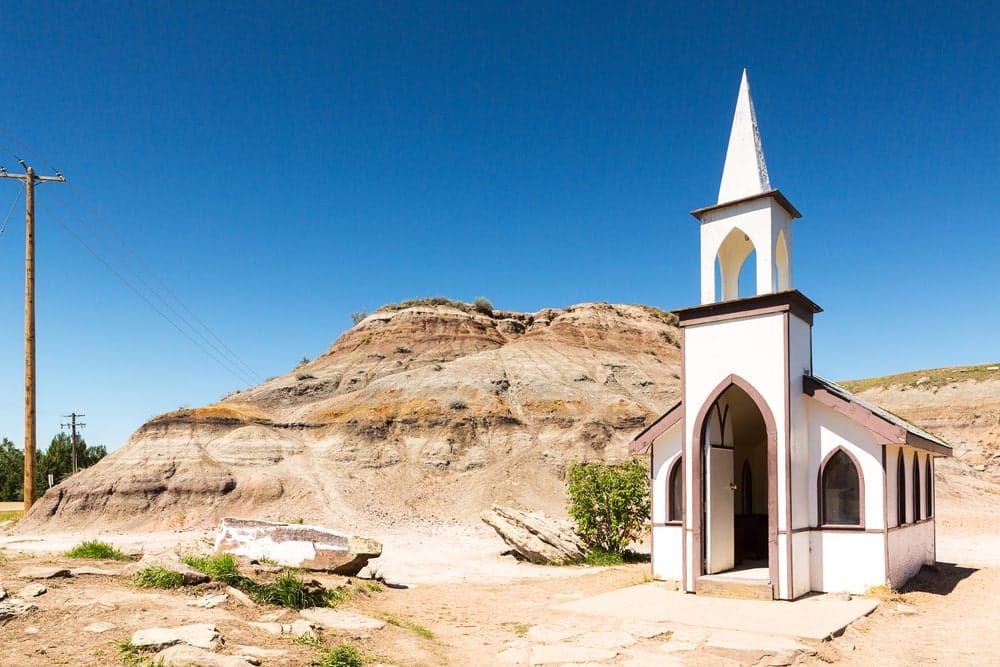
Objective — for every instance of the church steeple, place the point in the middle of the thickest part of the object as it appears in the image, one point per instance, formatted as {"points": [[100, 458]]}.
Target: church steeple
{"points": [[749, 217], [745, 172]]}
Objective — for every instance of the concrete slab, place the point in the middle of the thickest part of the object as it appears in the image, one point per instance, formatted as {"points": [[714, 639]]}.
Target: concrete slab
{"points": [[816, 618]]}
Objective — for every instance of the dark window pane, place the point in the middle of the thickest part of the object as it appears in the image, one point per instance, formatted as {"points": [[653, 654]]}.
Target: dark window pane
{"points": [[841, 491], [676, 488]]}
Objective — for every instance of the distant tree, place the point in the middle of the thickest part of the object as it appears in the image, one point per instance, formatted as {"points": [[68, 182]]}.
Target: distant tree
{"points": [[11, 471], [357, 316], [57, 460]]}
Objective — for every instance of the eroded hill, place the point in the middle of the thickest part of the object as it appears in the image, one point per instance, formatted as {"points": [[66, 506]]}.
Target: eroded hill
{"points": [[426, 410]]}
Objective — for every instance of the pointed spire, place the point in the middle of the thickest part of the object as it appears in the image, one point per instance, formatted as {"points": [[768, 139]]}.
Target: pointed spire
{"points": [[745, 173]]}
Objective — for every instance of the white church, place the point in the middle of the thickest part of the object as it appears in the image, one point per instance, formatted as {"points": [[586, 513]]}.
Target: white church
{"points": [[768, 479]]}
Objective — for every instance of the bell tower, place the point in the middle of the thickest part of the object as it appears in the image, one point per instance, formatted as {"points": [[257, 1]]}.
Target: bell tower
{"points": [[750, 216]]}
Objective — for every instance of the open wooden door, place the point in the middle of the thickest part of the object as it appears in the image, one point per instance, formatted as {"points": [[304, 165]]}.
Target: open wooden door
{"points": [[720, 554]]}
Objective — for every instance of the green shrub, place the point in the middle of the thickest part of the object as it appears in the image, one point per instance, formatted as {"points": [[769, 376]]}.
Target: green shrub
{"points": [[610, 503], [158, 577], [221, 568], [96, 551], [344, 655]]}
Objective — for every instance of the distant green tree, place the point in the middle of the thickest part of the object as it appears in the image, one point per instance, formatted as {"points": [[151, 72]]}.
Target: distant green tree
{"points": [[11, 472], [57, 460]]}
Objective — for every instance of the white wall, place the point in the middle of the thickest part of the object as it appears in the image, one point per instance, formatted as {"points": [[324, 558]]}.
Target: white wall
{"points": [[667, 552], [850, 561], [910, 547], [667, 546]]}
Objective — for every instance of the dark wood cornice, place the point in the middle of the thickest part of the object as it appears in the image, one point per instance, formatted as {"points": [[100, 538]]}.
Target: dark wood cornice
{"points": [[770, 194], [792, 301]]}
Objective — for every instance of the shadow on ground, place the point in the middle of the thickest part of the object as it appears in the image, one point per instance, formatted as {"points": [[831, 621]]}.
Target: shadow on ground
{"points": [[938, 579]]}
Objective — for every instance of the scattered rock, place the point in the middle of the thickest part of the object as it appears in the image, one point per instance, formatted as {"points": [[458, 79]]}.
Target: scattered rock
{"points": [[201, 635], [12, 608], [923, 380], [240, 597], [3, 593], [534, 536], [258, 652], [37, 572], [32, 591], [210, 601], [904, 609], [181, 655], [332, 619], [296, 545], [562, 653], [99, 627], [31, 630], [94, 572], [846, 597], [299, 628]]}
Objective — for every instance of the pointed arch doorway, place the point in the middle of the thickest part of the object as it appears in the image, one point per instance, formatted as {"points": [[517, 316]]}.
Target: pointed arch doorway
{"points": [[735, 461]]}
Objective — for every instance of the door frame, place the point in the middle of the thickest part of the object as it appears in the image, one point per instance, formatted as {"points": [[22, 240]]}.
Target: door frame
{"points": [[697, 457]]}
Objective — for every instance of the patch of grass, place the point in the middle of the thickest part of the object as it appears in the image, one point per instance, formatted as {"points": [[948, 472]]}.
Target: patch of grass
{"points": [[135, 656], [221, 568], [457, 404], [602, 558], [928, 378], [96, 550], [413, 627], [343, 655], [885, 593], [286, 590], [519, 629], [311, 641], [12, 515], [598, 557], [157, 577]]}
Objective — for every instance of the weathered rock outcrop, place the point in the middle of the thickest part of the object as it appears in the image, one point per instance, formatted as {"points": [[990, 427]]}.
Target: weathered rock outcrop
{"points": [[428, 410], [296, 545], [536, 537]]}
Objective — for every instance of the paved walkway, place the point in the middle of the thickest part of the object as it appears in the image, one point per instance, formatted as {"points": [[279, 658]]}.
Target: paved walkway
{"points": [[651, 624], [816, 617]]}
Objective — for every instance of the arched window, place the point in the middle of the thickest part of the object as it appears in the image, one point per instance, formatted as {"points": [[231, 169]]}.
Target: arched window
{"points": [[675, 489], [900, 490], [916, 487], [929, 483], [840, 491]]}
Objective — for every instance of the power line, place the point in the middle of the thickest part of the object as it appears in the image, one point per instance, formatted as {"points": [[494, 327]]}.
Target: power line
{"points": [[236, 372], [75, 437], [223, 354]]}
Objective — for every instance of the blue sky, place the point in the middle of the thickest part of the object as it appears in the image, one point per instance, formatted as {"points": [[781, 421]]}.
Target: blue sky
{"points": [[280, 165]]}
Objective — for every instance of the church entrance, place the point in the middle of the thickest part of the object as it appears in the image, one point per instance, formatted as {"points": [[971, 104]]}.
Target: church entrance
{"points": [[735, 491]]}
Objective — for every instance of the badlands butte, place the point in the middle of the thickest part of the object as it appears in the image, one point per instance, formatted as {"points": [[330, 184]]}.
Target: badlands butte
{"points": [[433, 410]]}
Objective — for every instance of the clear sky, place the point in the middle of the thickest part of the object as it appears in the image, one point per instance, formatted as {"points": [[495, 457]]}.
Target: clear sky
{"points": [[279, 165]]}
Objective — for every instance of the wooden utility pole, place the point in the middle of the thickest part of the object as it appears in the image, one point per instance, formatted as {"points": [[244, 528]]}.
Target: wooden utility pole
{"points": [[74, 437], [29, 177]]}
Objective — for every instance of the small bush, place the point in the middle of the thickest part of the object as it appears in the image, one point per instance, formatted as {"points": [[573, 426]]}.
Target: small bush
{"points": [[403, 349], [343, 655], [457, 404], [610, 503], [221, 568], [288, 590], [357, 316], [96, 551], [304, 376], [482, 305], [158, 577]]}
